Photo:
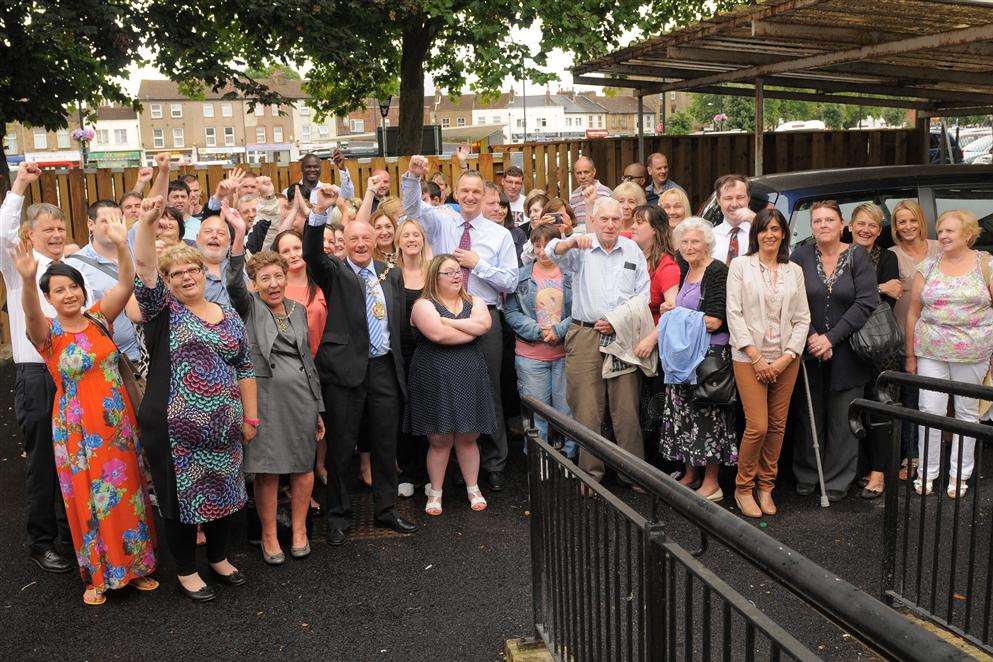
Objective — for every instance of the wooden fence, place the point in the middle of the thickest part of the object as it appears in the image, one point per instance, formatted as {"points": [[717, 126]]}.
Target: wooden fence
{"points": [[695, 162]]}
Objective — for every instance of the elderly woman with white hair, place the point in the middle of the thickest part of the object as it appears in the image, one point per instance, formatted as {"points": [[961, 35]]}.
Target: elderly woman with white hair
{"points": [[699, 435]]}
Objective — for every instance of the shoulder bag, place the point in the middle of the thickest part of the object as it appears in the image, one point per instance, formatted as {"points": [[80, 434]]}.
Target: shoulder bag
{"points": [[134, 387], [715, 375], [880, 341]]}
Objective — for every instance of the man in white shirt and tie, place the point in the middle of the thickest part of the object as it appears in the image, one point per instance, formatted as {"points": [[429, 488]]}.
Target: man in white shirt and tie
{"points": [[486, 250], [34, 390], [732, 234]]}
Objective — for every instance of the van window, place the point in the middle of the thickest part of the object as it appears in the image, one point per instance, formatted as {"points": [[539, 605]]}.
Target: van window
{"points": [[977, 198], [800, 219]]}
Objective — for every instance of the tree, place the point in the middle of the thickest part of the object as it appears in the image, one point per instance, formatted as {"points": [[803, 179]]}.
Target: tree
{"points": [[679, 123], [58, 55], [273, 70], [373, 49], [832, 116], [894, 117]]}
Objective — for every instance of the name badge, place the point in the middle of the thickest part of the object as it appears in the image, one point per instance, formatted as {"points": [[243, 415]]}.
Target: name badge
{"points": [[629, 265]]}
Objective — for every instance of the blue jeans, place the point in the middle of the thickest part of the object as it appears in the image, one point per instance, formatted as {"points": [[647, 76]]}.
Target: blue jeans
{"points": [[545, 381]]}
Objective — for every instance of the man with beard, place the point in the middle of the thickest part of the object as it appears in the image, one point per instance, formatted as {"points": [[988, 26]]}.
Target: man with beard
{"points": [[214, 240]]}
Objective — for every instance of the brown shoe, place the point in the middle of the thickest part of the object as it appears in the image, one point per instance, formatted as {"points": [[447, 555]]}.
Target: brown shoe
{"points": [[766, 503], [746, 503]]}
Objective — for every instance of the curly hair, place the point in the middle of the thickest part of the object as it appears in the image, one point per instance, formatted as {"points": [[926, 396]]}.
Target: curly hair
{"points": [[263, 259]]}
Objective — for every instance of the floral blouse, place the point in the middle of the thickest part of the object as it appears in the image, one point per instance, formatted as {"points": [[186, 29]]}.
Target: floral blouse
{"points": [[956, 322]]}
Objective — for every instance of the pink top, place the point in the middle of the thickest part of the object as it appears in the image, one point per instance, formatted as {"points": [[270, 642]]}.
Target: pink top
{"points": [[548, 303], [317, 312]]}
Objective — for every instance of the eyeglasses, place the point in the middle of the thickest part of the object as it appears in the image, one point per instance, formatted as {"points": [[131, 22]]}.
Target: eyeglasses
{"points": [[451, 274], [192, 272], [628, 178]]}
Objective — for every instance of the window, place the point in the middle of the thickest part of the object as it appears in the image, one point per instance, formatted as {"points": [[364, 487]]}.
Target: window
{"points": [[260, 134], [274, 110], [495, 119], [103, 137], [446, 121], [62, 138], [259, 110], [178, 139], [175, 110], [208, 110], [210, 136], [226, 110], [542, 122], [305, 111], [323, 131], [356, 126], [305, 133], [156, 110], [460, 121], [158, 138], [229, 136], [277, 134], [520, 124], [672, 96], [579, 122], [10, 143], [120, 136], [568, 121], [800, 220], [977, 198]]}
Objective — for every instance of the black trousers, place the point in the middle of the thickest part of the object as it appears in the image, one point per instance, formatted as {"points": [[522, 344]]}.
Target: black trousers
{"points": [[34, 395], [182, 541], [493, 447], [372, 407]]}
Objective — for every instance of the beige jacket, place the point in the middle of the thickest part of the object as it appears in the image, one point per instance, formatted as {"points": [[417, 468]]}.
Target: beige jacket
{"points": [[632, 321], [746, 307]]}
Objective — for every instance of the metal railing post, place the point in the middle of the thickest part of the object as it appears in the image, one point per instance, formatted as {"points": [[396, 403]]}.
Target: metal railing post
{"points": [[891, 511], [655, 592], [537, 544]]}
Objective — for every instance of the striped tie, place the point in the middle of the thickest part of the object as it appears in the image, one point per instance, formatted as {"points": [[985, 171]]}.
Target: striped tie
{"points": [[465, 243], [377, 337]]}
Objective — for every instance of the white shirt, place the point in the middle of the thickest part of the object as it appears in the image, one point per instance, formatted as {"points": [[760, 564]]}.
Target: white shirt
{"points": [[496, 271], [722, 237], [602, 280], [10, 223], [517, 211]]}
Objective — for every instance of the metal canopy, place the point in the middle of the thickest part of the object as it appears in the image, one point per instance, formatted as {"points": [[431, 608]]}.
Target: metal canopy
{"points": [[934, 56]]}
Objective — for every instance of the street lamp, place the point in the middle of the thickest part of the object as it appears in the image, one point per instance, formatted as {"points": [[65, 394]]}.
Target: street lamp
{"points": [[384, 110]]}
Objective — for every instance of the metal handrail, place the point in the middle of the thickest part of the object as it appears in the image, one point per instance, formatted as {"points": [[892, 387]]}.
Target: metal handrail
{"points": [[977, 391], [877, 626], [954, 425]]}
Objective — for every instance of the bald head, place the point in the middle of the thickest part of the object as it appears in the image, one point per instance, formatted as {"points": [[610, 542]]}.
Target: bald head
{"points": [[584, 171], [384, 181], [359, 242], [637, 173]]}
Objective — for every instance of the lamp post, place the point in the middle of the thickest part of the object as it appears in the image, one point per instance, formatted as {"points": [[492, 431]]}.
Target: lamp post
{"points": [[384, 110]]}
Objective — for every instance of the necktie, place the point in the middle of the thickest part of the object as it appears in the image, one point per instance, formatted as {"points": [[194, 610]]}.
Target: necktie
{"points": [[732, 246], [377, 336], [465, 243]]}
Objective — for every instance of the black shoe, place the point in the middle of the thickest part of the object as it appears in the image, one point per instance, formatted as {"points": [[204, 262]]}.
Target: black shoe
{"points": [[836, 495], [805, 489], [51, 561], [398, 524], [206, 594], [336, 537], [234, 579], [495, 479]]}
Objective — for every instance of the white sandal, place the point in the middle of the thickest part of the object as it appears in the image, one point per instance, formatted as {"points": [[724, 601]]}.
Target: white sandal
{"points": [[433, 506], [963, 487], [476, 500], [923, 486]]}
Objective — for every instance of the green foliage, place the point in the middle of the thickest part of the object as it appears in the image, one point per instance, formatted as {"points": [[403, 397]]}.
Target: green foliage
{"points": [[679, 124], [832, 116], [894, 117], [271, 70]]}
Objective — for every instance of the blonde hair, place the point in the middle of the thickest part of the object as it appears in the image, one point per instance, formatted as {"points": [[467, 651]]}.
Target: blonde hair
{"points": [[390, 206], [970, 224], [873, 211], [431, 280], [918, 213], [425, 254], [677, 193], [630, 189], [179, 254]]}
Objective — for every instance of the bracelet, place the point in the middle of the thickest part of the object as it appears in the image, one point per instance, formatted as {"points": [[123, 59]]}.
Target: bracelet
{"points": [[254, 422], [756, 361]]}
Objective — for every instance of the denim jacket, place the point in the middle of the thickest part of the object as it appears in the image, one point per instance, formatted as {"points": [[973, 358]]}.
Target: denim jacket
{"points": [[520, 307]]}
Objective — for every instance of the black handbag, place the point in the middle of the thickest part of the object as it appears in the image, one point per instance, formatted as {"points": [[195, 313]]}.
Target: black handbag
{"points": [[715, 379], [880, 341]]}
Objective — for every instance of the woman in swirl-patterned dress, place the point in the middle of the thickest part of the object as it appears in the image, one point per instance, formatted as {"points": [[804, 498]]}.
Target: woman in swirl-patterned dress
{"points": [[199, 408]]}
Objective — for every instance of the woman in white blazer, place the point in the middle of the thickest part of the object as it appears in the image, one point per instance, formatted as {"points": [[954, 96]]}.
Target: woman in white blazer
{"points": [[768, 319]]}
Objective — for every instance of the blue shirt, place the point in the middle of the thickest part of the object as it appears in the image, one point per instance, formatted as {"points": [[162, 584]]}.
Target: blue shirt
{"points": [[496, 272], [375, 291], [100, 283], [602, 280], [216, 288]]}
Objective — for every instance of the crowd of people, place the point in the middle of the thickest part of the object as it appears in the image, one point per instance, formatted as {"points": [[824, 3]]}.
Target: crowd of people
{"points": [[196, 354]]}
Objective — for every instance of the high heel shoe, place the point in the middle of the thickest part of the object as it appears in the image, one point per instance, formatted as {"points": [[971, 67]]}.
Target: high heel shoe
{"points": [[746, 504], [766, 503], [433, 506], [476, 500]]}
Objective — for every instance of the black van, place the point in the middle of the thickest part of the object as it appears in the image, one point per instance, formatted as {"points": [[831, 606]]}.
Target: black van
{"points": [[938, 188]]}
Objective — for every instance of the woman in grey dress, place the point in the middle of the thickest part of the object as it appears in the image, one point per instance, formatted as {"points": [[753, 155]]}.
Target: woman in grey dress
{"points": [[289, 390]]}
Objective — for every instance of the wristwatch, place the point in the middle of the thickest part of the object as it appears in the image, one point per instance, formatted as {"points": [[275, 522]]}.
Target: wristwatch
{"points": [[791, 353]]}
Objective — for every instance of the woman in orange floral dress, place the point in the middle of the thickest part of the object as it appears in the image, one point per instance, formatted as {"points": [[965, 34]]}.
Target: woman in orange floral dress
{"points": [[96, 449]]}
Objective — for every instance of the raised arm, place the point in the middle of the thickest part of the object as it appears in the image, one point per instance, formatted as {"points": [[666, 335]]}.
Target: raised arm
{"points": [[146, 260], [161, 184], [478, 322], [117, 297], [428, 322], [10, 218], [364, 213], [267, 216], [322, 266], [431, 219], [38, 328], [144, 177], [344, 179]]}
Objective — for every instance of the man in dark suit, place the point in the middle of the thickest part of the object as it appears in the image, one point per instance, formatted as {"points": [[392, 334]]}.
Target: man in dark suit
{"points": [[359, 361]]}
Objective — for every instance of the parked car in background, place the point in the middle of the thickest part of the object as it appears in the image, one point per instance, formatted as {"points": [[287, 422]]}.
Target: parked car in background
{"points": [[938, 188], [952, 153], [976, 148]]}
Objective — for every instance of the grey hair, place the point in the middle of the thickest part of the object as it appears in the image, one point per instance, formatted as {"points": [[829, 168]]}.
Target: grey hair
{"points": [[39, 208], [248, 197], [599, 204], [695, 223]]}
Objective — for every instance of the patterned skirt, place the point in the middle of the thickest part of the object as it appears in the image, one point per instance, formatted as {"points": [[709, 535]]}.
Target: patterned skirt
{"points": [[696, 435]]}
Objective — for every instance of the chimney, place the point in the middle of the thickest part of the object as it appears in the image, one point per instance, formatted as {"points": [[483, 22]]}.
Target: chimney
{"points": [[548, 95]]}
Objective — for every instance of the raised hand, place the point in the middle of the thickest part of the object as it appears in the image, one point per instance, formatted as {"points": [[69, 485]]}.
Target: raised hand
{"points": [[151, 209], [27, 174], [229, 185], [325, 196], [266, 189], [373, 184], [338, 158], [145, 176], [234, 218], [590, 196], [117, 231], [162, 160], [418, 166], [464, 152], [24, 260]]}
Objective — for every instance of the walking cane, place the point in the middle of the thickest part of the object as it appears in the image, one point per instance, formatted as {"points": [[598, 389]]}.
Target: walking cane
{"points": [[813, 434]]}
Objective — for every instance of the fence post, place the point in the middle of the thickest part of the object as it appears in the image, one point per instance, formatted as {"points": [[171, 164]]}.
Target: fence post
{"points": [[654, 592], [537, 544], [891, 511]]}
